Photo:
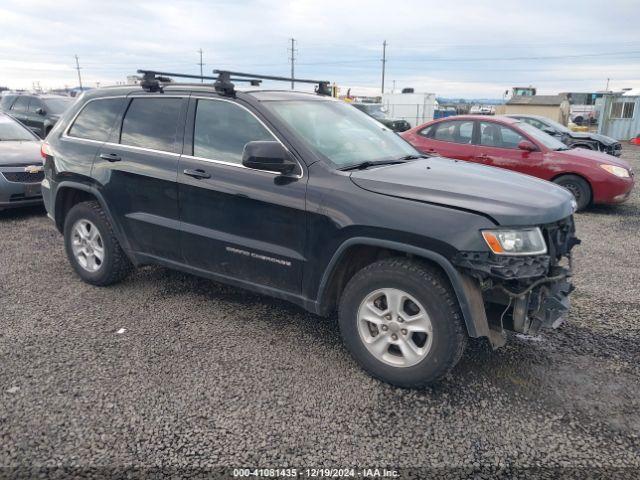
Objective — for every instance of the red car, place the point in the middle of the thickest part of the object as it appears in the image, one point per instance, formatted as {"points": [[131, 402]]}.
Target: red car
{"points": [[592, 177]]}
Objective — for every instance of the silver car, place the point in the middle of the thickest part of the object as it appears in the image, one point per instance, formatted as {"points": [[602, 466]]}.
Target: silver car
{"points": [[20, 165]]}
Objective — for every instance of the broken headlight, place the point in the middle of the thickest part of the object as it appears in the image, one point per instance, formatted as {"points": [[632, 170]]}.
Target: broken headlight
{"points": [[521, 241]]}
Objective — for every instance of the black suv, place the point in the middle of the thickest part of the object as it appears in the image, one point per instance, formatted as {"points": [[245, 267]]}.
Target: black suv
{"points": [[39, 113], [302, 197]]}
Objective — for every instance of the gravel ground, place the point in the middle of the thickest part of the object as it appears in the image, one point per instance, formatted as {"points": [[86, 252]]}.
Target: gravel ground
{"points": [[206, 375]]}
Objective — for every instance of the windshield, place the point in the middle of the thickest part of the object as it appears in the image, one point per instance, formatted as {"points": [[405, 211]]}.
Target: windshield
{"points": [[558, 126], [12, 131], [341, 133], [57, 106], [541, 137]]}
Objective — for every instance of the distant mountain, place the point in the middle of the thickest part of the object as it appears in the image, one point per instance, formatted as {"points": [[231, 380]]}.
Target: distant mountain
{"points": [[482, 101]]}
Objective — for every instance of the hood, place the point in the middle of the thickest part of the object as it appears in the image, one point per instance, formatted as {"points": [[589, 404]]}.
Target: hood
{"points": [[20, 153], [507, 197], [584, 155], [594, 136]]}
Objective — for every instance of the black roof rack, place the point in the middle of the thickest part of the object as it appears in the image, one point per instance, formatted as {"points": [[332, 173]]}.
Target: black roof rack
{"points": [[152, 80]]}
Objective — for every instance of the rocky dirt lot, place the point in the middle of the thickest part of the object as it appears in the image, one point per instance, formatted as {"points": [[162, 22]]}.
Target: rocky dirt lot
{"points": [[206, 375]]}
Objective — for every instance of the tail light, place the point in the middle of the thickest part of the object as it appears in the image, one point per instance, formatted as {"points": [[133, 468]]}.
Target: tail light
{"points": [[45, 151]]}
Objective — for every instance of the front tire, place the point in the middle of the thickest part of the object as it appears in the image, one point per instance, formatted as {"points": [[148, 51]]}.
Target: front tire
{"points": [[578, 187], [401, 322], [92, 247]]}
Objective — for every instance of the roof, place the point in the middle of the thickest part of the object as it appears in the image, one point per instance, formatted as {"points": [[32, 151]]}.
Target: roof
{"points": [[482, 118], [545, 100], [175, 87]]}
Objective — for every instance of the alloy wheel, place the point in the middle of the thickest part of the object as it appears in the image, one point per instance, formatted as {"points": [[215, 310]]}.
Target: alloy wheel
{"points": [[395, 327], [87, 245]]}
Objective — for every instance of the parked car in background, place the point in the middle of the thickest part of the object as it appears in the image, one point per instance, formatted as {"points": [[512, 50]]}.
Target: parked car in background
{"points": [[20, 165], [591, 141], [38, 112], [302, 197], [592, 177], [376, 111]]}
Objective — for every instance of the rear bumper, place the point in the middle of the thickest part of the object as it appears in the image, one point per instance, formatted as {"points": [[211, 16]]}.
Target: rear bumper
{"points": [[18, 194]]}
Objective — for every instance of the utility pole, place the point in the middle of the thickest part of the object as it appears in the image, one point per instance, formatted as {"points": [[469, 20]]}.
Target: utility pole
{"points": [[292, 59], [201, 65], [607, 89], [78, 69], [384, 61]]}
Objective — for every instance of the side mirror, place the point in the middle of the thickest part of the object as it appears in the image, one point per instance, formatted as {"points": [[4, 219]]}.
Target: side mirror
{"points": [[40, 111], [268, 155], [548, 130], [527, 146]]}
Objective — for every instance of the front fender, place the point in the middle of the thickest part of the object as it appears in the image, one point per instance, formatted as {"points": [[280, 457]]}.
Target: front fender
{"points": [[466, 288]]}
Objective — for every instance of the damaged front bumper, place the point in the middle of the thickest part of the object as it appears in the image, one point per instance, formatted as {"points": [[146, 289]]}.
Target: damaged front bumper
{"points": [[522, 293]]}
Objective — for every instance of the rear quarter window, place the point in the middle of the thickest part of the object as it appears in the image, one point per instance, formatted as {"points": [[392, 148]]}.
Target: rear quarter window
{"points": [[96, 119]]}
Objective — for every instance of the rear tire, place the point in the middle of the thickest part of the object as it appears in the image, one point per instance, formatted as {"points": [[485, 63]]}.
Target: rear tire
{"points": [[578, 187], [414, 344], [92, 247]]}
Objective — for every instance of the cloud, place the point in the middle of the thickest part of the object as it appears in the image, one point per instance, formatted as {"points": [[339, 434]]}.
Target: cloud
{"points": [[432, 46]]}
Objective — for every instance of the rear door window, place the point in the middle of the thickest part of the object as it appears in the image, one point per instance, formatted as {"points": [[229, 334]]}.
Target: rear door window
{"points": [[21, 105], [222, 129], [456, 132], [152, 123], [96, 119]]}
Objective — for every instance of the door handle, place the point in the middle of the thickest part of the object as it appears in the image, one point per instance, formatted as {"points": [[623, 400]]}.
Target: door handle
{"points": [[110, 157], [197, 173]]}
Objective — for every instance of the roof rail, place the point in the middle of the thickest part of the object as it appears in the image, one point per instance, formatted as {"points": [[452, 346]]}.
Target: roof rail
{"points": [[322, 87], [152, 80]]}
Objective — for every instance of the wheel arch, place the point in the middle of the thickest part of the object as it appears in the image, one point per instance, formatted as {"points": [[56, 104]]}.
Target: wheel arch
{"points": [[71, 193], [367, 250], [579, 175]]}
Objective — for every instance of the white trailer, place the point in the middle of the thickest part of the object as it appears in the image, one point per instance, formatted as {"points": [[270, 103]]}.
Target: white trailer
{"points": [[415, 108]]}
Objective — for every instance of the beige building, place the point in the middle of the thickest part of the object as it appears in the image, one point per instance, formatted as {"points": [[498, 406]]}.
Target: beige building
{"points": [[555, 107]]}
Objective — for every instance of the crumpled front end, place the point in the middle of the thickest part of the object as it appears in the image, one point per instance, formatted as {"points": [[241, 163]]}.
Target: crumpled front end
{"points": [[528, 292]]}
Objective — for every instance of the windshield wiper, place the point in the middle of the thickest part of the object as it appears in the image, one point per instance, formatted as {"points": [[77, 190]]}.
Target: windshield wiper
{"points": [[414, 156], [368, 163]]}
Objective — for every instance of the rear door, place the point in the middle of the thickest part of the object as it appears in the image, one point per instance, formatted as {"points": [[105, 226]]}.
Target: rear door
{"points": [[19, 111], [451, 139], [137, 168], [237, 222], [498, 147], [85, 134]]}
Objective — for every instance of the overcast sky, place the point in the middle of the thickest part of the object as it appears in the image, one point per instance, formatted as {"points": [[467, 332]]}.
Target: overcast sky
{"points": [[452, 48]]}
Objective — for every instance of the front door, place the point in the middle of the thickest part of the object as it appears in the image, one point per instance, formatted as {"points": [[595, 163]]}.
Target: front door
{"points": [[237, 222], [498, 147], [137, 168]]}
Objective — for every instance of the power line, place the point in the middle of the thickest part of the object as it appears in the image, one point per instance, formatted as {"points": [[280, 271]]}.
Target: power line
{"points": [[292, 59], [78, 69], [384, 61], [201, 65]]}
